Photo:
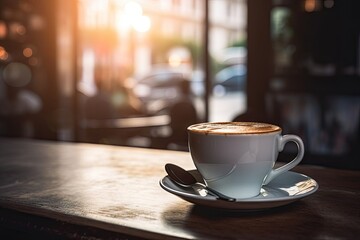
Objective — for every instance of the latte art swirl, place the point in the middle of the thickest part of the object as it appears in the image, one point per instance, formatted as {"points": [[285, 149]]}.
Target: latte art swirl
{"points": [[233, 128]]}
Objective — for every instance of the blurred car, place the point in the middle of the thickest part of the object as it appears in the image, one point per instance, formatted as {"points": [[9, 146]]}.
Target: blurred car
{"points": [[230, 79], [162, 87]]}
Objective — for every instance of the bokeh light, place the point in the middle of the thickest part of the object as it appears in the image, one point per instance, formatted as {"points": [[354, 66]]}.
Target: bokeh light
{"points": [[27, 52], [33, 61], [3, 29], [17, 74], [3, 54]]}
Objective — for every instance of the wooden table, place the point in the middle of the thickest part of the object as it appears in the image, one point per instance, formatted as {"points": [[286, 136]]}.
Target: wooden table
{"points": [[86, 191]]}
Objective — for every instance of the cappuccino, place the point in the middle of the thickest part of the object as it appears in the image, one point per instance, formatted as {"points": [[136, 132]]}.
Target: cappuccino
{"points": [[233, 128], [238, 158]]}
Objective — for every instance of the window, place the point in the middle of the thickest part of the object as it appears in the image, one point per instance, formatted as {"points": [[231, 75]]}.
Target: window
{"points": [[134, 56]]}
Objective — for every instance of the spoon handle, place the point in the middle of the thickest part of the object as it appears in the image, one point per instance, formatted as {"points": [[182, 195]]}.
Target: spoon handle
{"points": [[216, 193]]}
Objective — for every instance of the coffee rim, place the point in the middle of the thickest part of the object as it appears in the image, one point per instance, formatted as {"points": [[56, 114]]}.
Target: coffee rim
{"points": [[276, 130]]}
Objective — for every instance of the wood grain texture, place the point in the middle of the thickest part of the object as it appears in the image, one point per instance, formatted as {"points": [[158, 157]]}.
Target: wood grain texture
{"points": [[115, 190]]}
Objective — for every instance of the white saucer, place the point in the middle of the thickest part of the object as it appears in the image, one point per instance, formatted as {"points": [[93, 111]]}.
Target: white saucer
{"points": [[284, 189]]}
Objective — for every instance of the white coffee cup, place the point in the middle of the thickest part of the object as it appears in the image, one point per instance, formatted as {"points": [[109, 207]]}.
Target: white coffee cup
{"points": [[237, 158]]}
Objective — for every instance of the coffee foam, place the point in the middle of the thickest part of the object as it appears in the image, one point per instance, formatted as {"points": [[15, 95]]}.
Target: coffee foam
{"points": [[233, 128]]}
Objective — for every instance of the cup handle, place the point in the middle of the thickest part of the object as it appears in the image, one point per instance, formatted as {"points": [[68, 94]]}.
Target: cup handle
{"points": [[281, 143]]}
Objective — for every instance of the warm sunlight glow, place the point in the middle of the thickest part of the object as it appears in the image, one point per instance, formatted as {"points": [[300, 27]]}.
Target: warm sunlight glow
{"points": [[142, 24], [175, 60], [133, 11]]}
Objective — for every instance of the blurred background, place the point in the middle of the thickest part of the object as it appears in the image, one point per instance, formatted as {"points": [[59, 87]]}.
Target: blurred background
{"points": [[137, 73]]}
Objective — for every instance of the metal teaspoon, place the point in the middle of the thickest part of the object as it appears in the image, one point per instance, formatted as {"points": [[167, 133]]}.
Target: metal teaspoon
{"points": [[183, 178]]}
